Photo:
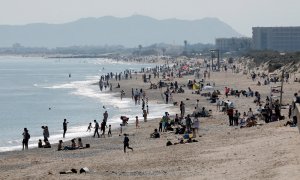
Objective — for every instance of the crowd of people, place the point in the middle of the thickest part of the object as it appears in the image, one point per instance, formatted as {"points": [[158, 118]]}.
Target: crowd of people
{"points": [[183, 123]]}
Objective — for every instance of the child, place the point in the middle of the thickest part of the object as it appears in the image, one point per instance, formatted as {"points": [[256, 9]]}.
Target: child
{"points": [[40, 144], [109, 131], [89, 128], [126, 143], [60, 145]]}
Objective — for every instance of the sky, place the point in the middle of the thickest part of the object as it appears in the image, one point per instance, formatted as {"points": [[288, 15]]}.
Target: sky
{"points": [[241, 15]]}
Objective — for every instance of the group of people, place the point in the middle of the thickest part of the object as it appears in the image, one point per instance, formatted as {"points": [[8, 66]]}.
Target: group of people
{"points": [[180, 124], [73, 145]]}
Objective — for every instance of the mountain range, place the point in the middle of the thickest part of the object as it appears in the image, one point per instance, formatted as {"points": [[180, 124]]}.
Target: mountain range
{"points": [[129, 31]]}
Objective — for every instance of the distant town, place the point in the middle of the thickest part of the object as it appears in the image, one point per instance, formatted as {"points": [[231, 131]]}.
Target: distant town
{"points": [[274, 40]]}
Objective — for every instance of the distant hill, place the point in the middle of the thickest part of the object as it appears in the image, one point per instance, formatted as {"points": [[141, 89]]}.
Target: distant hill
{"points": [[130, 31]]}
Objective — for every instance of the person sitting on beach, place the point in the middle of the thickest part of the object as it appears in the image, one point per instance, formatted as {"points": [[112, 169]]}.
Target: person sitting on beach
{"points": [[155, 134], [195, 112], [60, 145], [180, 130], [80, 145], [292, 123], [168, 126], [203, 113], [40, 144], [72, 147], [47, 144], [250, 114], [258, 83], [180, 90]]}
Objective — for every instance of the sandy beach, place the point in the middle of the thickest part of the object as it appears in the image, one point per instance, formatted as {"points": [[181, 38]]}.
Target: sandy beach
{"points": [[268, 151]]}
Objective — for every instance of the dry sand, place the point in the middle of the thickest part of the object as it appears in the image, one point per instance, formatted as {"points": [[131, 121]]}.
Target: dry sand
{"points": [[270, 151]]}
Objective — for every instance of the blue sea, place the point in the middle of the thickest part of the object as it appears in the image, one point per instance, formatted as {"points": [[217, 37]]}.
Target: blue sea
{"points": [[37, 91]]}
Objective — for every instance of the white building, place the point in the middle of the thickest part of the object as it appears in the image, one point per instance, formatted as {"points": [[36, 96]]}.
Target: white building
{"points": [[276, 38]]}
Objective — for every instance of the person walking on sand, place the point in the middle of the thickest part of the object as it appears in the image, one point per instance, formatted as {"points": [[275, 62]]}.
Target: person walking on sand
{"points": [[102, 128], [96, 129], [65, 123], [26, 137], [126, 143], [137, 122]]}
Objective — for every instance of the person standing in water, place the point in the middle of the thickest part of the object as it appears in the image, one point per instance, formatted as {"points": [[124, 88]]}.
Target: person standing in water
{"points": [[65, 123], [137, 122], [126, 143], [89, 127], [105, 116]]}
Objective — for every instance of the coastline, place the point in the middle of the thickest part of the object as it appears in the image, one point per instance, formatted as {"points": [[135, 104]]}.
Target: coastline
{"points": [[270, 151], [82, 128]]}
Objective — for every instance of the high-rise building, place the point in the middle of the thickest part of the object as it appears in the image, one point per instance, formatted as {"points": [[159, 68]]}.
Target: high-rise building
{"points": [[276, 38], [233, 44]]}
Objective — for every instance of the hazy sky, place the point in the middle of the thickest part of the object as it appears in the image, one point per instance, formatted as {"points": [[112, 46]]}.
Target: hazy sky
{"points": [[240, 14]]}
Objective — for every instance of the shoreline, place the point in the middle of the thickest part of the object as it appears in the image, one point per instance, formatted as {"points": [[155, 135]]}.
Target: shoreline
{"points": [[115, 126], [113, 93], [269, 151]]}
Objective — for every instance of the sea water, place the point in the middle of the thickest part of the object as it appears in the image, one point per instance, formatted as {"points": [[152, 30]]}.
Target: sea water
{"points": [[37, 91]]}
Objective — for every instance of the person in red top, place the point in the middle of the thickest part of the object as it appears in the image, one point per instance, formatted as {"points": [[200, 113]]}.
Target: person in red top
{"points": [[230, 116], [227, 91]]}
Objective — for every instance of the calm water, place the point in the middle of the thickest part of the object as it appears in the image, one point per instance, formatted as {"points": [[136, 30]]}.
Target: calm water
{"points": [[30, 86]]}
